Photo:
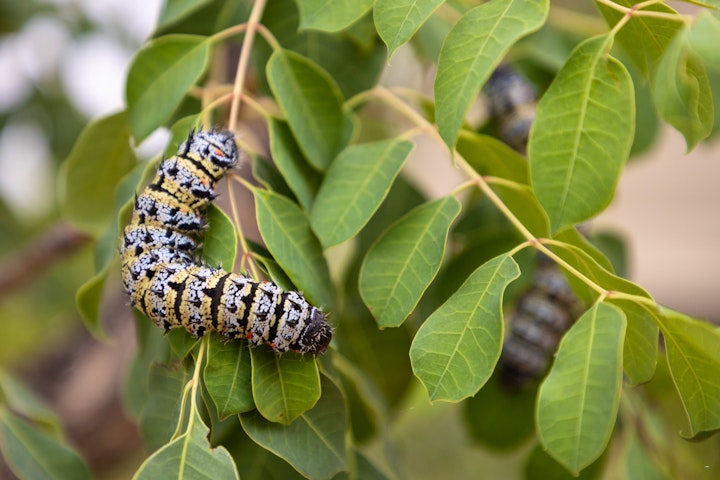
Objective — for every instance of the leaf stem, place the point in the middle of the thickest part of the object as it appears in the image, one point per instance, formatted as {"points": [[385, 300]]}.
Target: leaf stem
{"points": [[195, 384], [575, 272], [183, 405], [481, 182], [637, 11], [391, 99], [244, 61], [238, 229], [648, 302]]}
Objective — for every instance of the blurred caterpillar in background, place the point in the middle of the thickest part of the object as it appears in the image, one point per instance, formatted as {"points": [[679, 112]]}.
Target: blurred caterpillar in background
{"points": [[545, 311], [542, 315], [512, 102], [165, 280]]}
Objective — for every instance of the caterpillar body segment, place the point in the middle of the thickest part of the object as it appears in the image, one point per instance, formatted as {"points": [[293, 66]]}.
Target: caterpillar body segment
{"points": [[165, 280]]}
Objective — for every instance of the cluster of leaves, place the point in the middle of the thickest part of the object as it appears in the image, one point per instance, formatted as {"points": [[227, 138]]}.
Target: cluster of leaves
{"points": [[421, 290]]}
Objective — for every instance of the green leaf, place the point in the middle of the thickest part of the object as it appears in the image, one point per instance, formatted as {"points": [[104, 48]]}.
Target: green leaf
{"points": [[582, 134], [270, 177], [303, 180], [404, 260], [87, 300], [179, 133], [643, 38], [354, 65], [499, 419], [256, 463], [573, 237], [32, 453], [366, 406], [284, 386], [227, 376], [638, 462], [152, 347], [331, 16], [286, 231], [524, 205], [174, 10], [219, 247], [181, 342], [681, 89], [702, 39], [473, 49], [641, 341], [314, 444], [578, 401], [489, 156], [541, 466], [456, 349], [354, 187], [312, 104], [693, 353], [588, 265], [162, 410], [189, 456], [398, 20], [641, 337], [160, 75], [101, 157], [20, 400]]}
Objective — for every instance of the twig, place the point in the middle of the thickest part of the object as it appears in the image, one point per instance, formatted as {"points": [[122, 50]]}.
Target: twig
{"points": [[21, 267]]}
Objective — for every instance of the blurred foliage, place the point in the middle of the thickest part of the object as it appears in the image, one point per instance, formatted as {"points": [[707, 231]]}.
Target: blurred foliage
{"points": [[422, 292]]}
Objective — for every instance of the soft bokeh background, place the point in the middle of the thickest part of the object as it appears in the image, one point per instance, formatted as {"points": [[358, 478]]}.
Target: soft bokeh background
{"points": [[63, 63], [78, 51]]}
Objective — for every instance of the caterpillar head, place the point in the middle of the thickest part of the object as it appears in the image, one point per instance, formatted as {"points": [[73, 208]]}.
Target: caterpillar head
{"points": [[215, 146], [317, 335]]}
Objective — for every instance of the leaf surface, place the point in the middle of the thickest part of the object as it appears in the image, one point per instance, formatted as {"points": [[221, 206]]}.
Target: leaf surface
{"points": [[404, 260], [693, 353], [189, 457], [228, 376], [456, 349], [331, 16], [101, 157], [578, 401], [284, 386], [286, 231], [682, 93], [397, 21], [315, 443], [582, 135], [32, 453], [354, 187], [312, 104], [472, 50], [160, 76]]}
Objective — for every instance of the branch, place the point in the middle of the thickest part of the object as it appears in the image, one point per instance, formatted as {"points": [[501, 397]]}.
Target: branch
{"points": [[21, 267]]}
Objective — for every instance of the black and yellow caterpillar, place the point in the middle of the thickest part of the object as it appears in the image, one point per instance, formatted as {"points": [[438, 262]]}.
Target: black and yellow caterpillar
{"points": [[165, 280]]}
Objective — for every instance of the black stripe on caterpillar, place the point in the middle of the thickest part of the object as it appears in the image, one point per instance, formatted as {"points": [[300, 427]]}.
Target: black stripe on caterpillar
{"points": [[511, 101], [165, 280], [541, 317]]}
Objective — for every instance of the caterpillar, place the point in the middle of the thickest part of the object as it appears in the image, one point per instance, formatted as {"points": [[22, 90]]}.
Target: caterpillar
{"points": [[542, 315], [164, 279], [511, 101]]}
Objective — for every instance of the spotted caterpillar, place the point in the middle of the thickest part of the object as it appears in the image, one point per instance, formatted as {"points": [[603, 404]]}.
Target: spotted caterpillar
{"points": [[165, 281]]}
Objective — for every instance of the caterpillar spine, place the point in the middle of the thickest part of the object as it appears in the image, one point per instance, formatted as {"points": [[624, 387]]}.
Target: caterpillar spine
{"points": [[165, 280]]}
